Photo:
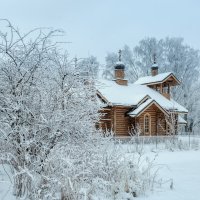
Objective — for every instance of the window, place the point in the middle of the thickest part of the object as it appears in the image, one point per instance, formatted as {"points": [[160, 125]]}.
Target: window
{"points": [[166, 88], [158, 88], [147, 124]]}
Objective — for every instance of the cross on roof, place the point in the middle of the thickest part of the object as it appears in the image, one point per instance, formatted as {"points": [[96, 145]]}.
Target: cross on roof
{"points": [[120, 55], [154, 58]]}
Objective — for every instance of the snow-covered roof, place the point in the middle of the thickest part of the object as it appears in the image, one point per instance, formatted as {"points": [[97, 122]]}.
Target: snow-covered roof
{"points": [[141, 107], [145, 106], [159, 78], [119, 65], [181, 120], [119, 94], [178, 106], [155, 65], [133, 95]]}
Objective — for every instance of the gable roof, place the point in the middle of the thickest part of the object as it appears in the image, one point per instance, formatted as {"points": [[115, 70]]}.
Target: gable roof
{"points": [[133, 95], [159, 78], [115, 94], [140, 109]]}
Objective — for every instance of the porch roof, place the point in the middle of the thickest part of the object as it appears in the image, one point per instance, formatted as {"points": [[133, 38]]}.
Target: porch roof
{"points": [[140, 109]]}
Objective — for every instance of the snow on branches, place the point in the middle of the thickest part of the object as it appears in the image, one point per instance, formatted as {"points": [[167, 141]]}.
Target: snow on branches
{"points": [[48, 111]]}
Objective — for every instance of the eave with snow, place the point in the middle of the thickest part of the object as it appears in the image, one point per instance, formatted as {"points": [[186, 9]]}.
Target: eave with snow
{"points": [[159, 79], [145, 104]]}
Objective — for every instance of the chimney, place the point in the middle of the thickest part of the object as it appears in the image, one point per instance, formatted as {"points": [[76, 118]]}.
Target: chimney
{"points": [[119, 72], [154, 68]]}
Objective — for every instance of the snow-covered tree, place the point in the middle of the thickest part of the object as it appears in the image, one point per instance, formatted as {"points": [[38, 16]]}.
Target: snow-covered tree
{"points": [[23, 128], [44, 103], [48, 112], [132, 72], [88, 66], [144, 54]]}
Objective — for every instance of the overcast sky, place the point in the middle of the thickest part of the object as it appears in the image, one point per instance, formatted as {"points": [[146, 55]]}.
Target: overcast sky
{"points": [[96, 27]]}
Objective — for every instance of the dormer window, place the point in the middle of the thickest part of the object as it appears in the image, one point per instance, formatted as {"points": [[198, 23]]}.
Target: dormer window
{"points": [[166, 89], [158, 88]]}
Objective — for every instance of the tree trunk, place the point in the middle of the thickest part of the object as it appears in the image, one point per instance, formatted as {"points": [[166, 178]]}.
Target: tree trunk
{"points": [[18, 186]]}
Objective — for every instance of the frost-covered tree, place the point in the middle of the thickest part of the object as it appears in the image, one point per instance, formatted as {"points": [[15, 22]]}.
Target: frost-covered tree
{"points": [[44, 103], [72, 112], [144, 54], [48, 138], [26, 131], [132, 72], [88, 66]]}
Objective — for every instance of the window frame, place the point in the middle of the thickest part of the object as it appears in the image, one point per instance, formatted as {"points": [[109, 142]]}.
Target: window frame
{"points": [[149, 124]]}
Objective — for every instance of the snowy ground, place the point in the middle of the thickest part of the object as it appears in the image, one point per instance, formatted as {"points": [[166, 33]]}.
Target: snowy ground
{"points": [[181, 166], [184, 168]]}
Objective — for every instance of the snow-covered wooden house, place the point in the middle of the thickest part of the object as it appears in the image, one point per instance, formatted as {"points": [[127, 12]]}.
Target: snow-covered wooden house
{"points": [[145, 106]]}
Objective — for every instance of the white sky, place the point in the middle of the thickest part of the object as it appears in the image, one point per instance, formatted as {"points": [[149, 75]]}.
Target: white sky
{"points": [[96, 27]]}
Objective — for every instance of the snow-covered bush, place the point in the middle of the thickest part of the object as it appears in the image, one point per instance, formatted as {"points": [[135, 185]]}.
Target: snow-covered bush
{"points": [[98, 168], [182, 143]]}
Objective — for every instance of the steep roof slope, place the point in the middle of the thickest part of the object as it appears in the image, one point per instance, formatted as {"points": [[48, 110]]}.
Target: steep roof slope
{"points": [[133, 95], [119, 94], [159, 78]]}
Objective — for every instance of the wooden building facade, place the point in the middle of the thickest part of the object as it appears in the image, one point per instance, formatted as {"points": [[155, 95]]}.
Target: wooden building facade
{"points": [[144, 107]]}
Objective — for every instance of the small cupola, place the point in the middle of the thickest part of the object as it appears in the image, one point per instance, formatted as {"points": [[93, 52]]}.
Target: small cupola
{"points": [[154, 68], [119, 71]]}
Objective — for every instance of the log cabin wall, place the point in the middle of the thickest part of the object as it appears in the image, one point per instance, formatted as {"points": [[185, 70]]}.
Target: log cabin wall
{"points": [[155, 116], [106, 119], [115, 119], [122, 122]]}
